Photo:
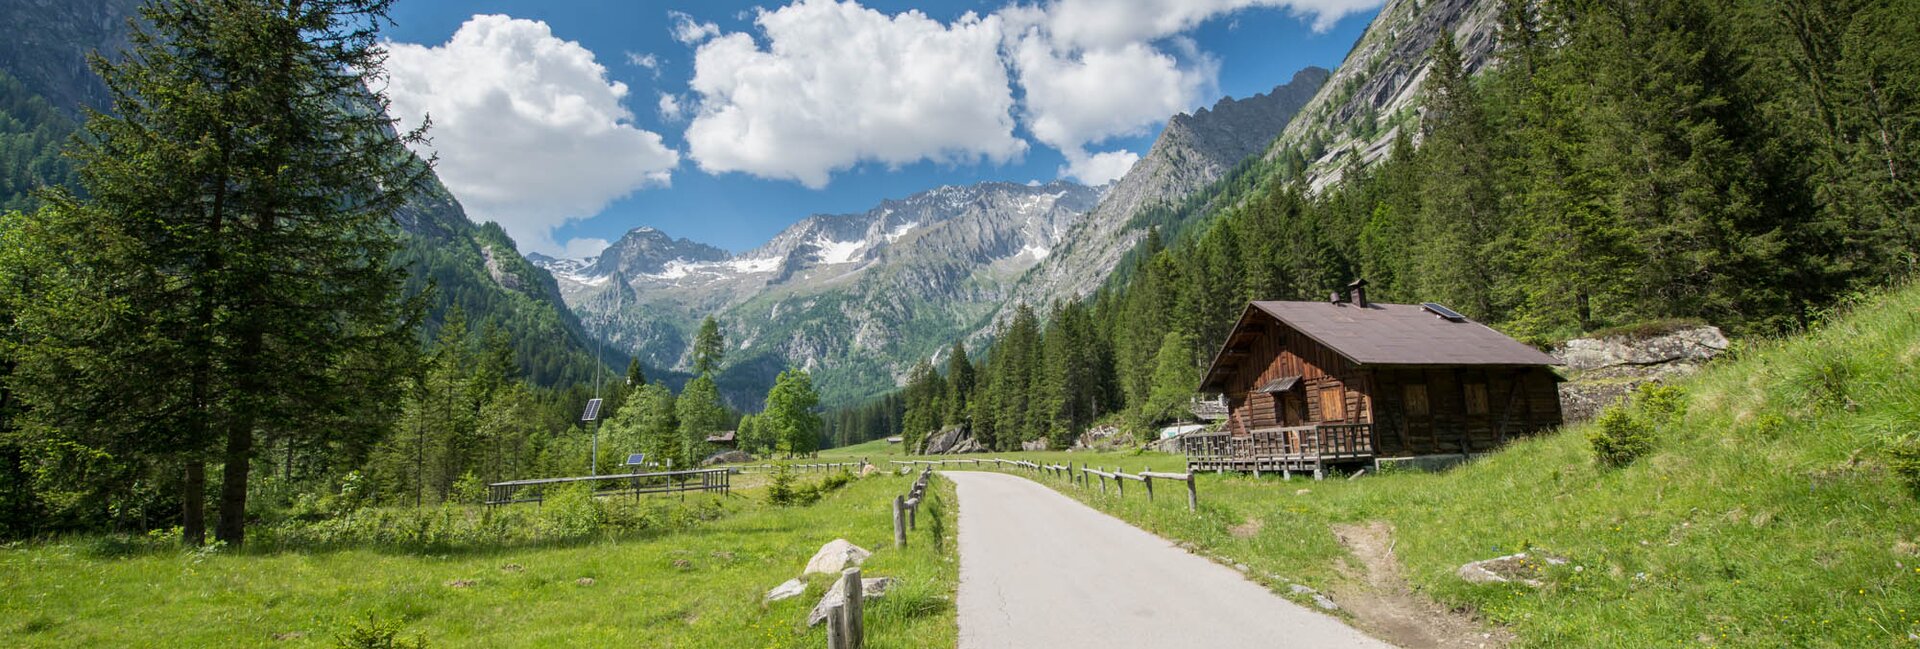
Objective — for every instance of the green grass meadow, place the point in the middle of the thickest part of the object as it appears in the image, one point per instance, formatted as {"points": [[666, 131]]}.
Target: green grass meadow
{"points": [[700, 586]]}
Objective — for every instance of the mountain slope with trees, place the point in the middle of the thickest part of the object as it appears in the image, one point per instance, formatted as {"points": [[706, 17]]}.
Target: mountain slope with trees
{"points": [[1617, 163]]}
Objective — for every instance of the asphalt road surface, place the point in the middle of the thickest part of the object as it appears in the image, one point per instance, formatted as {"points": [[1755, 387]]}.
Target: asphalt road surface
{"points": [[1039, 569]]}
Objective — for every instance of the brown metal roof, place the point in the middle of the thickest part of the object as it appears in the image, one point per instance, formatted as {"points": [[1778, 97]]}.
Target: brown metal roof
{"points": [[1402, 334]]}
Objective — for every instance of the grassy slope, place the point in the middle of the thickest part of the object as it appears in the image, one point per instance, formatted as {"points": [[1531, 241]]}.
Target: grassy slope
{"points": [[1765, 516], [59, 595]]}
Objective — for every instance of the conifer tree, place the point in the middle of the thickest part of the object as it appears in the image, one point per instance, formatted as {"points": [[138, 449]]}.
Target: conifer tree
{"points": [[709, 347], [636, 375], [238, 211]]}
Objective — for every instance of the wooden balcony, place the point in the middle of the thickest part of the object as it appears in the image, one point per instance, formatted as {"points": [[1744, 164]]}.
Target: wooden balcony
{"points": [[1280, 449]]}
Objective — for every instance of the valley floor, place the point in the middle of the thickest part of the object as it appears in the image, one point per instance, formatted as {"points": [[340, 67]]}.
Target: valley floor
{"points": [[702, 587]]}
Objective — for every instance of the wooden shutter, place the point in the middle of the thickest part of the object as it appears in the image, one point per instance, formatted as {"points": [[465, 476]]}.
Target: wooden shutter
{"points": [[1476, 398], [1333, 404], [1417, 400]]}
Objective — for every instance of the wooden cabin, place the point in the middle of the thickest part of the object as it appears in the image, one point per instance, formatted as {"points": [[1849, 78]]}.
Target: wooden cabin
{"points": [[1346, 382]]}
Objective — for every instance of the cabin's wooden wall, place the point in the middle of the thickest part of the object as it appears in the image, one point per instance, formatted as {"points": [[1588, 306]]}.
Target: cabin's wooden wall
{"points": [[1282, 352], [1518, 402]]}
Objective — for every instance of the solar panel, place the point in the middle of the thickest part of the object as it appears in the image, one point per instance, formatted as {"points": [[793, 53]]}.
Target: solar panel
{"points": [[636, 459], [1442, 311], [593, 410]]}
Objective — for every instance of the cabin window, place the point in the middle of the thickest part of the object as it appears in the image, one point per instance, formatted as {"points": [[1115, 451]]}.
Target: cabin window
{"points": [[1417, 400], [1476, 398], [1333, 404]]}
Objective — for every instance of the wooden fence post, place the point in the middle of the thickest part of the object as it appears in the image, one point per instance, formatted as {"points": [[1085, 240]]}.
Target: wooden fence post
{"points": [[855, 619], [837, 628], [1118, 483], [1193, 495], [1148, 481], [899, 522]]}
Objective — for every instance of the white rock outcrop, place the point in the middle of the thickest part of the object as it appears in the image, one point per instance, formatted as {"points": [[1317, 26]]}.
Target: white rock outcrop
{"points": [[835, 556]]}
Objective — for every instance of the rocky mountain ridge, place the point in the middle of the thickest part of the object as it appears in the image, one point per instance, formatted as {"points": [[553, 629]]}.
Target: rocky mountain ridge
{"points": [[1377, 89], [857, 297], [1192, 152]]}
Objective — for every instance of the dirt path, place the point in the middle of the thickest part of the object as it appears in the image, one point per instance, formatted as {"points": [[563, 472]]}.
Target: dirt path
{"points": [[1382, 602], [1039, 569]]}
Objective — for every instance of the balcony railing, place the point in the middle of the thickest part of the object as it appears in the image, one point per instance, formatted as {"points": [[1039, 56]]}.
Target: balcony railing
{"points": [[1283, 448]]}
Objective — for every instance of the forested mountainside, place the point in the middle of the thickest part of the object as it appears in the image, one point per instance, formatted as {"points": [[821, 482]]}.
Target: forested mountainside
{"points": [[45, 85], [1740, 162], [854, 298], [1192, 152]]}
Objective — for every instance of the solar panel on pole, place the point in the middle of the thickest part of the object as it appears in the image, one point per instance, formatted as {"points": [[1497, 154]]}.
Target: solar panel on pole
{"points": [[593, 411]]}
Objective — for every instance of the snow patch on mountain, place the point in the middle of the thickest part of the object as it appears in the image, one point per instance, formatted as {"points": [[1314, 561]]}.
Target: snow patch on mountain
{"points": [[837, 252]]}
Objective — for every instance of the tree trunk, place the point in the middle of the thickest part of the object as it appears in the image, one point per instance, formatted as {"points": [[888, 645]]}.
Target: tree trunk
{"points": [[193, 505], [232, 528]]}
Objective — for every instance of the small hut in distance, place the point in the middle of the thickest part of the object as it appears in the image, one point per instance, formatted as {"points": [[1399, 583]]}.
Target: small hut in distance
{"points": [[1309, 385]]}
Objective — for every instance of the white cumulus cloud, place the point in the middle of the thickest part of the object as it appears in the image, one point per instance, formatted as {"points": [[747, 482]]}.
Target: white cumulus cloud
{"points": [[529, 130], [838, 84], [1110, 23], [1079, 97], [670, 108], [687, 30]]}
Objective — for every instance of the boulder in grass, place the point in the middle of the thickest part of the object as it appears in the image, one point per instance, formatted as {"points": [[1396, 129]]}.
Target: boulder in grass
{"points": [[1520, 568], [837, 595], [788, 589], [835, 556]]}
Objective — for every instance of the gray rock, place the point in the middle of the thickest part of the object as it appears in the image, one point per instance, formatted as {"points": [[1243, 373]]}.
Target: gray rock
{"points": [[788, 589], [835, 556], [1513, 568], [837, 595], [1601, 371], [733, 456], [944, 441], [1324, 602], [1034, 445]]}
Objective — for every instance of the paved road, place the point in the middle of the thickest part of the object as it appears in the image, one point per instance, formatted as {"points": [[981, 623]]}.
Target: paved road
{"points": [[1039, 569]]}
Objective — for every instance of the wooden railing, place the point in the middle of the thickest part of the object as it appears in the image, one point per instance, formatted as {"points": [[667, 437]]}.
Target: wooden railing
{"points": [[522, 491], [1279, 448]]}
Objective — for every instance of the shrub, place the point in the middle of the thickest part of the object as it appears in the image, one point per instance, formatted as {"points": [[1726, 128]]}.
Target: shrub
{"points": [[1618, 438], [780, 490], [375, 634], [1903, 456], [1665, 403], [469, 489], [572, 512]]}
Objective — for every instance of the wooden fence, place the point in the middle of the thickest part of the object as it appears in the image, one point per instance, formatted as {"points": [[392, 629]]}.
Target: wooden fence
{"points": [[523, 491], [803, 468], [906, 509], [1080, 476]]}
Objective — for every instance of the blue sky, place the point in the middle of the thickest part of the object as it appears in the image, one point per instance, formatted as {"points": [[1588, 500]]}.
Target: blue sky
{"points": [[812, 106]]}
